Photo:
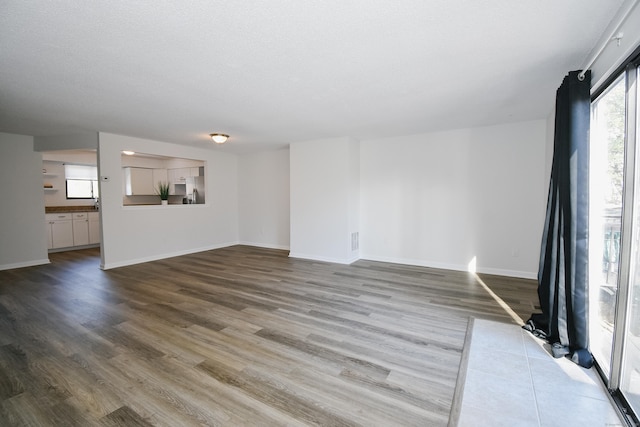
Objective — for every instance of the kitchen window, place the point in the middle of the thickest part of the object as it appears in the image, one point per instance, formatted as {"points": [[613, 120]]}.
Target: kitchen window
{"points": [[81, 181]]}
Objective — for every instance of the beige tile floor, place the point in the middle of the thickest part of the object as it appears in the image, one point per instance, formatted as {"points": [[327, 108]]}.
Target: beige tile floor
{"points": [[511, 380]]}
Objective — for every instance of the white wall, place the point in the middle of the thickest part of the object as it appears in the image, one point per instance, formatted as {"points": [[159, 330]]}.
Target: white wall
{"points": [[550, 135], [444, 199], [353, 200], [322, 199], [23, 240], [436, 199], [76, 141], [263, 199], [80, 157], [133, 234]]}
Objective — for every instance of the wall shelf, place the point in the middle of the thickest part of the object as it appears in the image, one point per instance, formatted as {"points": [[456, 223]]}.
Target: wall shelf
{"points": [[48, 181]]}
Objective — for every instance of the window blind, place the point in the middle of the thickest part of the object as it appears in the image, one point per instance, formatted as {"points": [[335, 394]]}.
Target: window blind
{"points": [[81, 172]]}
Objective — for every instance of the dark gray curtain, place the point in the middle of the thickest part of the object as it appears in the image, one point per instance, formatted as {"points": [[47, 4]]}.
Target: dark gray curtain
{"points": [[563, 271]]}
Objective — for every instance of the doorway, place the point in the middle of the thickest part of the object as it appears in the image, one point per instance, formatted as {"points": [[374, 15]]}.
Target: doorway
{"points": [[71, 199]]}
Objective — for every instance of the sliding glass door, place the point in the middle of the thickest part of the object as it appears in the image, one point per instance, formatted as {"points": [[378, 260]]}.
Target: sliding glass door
{"points": [[614, 238], [630, 363], [605, 216]]}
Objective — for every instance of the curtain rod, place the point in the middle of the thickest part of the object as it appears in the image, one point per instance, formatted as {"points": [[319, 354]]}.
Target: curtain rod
{"points": [[612, 34]]}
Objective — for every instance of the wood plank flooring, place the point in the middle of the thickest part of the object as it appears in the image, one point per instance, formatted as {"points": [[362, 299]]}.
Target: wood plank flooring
{"points": [[239, 336]]}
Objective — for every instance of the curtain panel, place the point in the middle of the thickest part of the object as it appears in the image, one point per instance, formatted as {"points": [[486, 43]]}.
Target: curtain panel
{"points": [[563, 271]]}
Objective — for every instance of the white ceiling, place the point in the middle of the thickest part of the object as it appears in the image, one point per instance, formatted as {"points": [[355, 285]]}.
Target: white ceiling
{"points": [[274, 72]]}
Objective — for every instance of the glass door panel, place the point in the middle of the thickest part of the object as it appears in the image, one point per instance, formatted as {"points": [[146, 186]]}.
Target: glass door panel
{"points": [[630, 378], [605, 217]]}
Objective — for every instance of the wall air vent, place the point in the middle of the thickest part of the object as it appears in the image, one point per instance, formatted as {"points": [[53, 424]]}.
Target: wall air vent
{"points": [[355, 241]]}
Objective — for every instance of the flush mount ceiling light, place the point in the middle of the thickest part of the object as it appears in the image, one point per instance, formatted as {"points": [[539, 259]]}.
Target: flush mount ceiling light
{"points": [[219, 138], [128, 153]]}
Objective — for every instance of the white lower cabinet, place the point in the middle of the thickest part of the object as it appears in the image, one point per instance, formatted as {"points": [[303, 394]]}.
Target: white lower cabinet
{"points": [[80, 228], [94, 228], [60, 230], [66, 230]]}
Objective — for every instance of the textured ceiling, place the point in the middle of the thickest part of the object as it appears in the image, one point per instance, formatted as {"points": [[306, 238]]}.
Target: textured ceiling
{"points": [[274, 72]]}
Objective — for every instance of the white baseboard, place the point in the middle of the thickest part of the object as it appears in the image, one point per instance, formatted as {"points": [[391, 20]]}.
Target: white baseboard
{"points": [[323, 259], [24, 264], [454, 267], [110, 265], [508, 273], [264, 245], [406, 261], [417, 262]]}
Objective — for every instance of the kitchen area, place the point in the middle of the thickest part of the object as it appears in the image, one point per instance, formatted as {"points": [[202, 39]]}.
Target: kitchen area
{"points": [[70, 222], [72, 200], [144, 174]]}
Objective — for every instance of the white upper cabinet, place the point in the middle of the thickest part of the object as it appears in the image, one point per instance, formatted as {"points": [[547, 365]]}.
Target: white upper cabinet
{"points": [[159, 175], [138, 181]]}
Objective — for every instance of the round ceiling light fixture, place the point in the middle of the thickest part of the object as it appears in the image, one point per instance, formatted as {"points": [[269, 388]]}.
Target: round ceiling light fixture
{"points": [[219, 138]]}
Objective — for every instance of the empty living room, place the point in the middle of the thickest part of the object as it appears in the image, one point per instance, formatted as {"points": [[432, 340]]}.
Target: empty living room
{"points": [[337, 213]]}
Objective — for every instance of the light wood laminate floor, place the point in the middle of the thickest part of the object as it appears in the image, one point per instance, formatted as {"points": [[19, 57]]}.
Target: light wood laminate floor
{"points": [[235, 337]]}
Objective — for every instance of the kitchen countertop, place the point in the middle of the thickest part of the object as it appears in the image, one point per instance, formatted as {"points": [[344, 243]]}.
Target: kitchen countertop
{"points": [[57, 209]]}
